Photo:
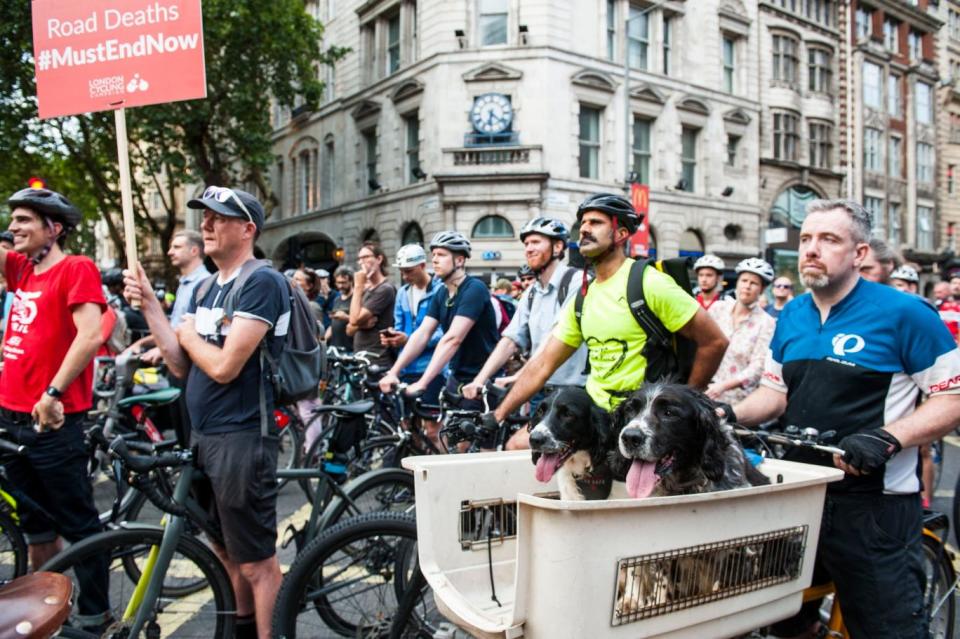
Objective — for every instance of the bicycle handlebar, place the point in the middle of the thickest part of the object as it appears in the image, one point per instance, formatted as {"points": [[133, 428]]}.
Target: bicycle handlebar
{"points": [[808, 441], [10, 447]]}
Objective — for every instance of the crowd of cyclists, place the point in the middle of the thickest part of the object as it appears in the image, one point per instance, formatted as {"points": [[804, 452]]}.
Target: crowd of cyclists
{"points": [[855, 354]]}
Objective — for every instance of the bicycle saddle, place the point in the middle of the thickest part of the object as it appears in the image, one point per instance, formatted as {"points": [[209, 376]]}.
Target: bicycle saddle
{"points": [[355, 408], [34, 606], [154, 398]]}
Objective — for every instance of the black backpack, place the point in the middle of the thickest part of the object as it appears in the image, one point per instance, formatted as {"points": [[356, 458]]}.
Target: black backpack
{"points": [[296, 373], [669, 355]]}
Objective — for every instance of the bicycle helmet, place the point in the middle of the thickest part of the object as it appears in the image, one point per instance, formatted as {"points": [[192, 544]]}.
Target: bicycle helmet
{"points": [[411, 255], [453, 241], [549, 227], [525, 271], [756, 266], [112, 277], [616, 206], [6, 236], [49, 204], [709, 261], [905, 273]]}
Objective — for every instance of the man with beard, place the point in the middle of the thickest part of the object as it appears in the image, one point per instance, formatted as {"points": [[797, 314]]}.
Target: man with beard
{"points": [[340, 312], [614, 339], [854, 356], [545, 242], [879, 263], [709, 270]]}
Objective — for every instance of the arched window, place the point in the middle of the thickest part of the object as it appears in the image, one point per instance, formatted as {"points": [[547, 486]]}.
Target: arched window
{"points": [[492, 226], [790, 207], [370, 235], [691, 244], [412, 234]]}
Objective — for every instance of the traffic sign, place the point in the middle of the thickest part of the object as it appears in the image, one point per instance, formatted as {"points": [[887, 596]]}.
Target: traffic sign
{"points": [[95, 55]]}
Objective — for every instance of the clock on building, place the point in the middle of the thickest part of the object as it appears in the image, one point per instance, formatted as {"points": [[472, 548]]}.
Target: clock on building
{"points": [[492, 113]]}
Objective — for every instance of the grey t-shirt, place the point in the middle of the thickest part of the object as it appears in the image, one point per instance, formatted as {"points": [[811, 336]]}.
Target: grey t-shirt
{"points": [[379, 301]]}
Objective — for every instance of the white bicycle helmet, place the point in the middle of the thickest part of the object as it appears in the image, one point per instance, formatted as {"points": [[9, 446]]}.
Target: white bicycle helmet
{"points": [[410, 255], [709, 261], [905, 273], [756, 266], [554, 229], [453, 241]]}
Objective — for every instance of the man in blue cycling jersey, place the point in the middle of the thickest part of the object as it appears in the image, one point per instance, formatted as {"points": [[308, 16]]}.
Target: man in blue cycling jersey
{"points": [[853, 356]]}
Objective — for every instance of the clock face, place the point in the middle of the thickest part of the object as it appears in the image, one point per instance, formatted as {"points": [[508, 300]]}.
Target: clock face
{"points": [[491, 113]]}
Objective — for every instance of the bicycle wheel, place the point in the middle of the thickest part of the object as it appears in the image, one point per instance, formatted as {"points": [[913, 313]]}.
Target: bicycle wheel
{"points": [[939, 597], [209, 612], [387, 489], [315, 455], [13, 549], [377, 453], [349, 579], [289, 450], [417, 616]]}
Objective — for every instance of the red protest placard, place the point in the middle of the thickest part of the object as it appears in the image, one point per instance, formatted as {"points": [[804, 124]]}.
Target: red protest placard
{"points": [[94, 55]]}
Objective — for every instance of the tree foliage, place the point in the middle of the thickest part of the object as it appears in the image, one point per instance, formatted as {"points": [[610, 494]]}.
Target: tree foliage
{"points": [[254, 50]]}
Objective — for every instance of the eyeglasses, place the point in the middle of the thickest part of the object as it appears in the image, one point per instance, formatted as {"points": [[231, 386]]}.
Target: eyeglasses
{"points": [[222, 194], [368, 256], [783, 286]]}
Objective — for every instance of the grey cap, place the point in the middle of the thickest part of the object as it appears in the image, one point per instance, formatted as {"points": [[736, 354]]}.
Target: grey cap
{"points": [[230, 206]]}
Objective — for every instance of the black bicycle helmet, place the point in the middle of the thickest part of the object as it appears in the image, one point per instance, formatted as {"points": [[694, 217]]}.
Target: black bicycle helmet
{"points": [[112, 277], [613, 205], [453, 241], [49, 204], [6, 236], [548, 227], [525, 271]]}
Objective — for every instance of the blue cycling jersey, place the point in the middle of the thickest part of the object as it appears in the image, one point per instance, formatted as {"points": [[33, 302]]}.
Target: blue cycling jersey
{"points": [[862, 368]]}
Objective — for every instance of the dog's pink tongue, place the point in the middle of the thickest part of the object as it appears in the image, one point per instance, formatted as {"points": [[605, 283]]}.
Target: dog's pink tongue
{"points": [[547, 466], [641, 478]]}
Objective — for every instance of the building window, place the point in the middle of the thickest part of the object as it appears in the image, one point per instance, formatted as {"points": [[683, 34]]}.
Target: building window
{"points": [[393, 43], [894, 155], [667, 43], [821, 145], [611, 29], [894, 105], [874, 206], [688, 158], [305, 201], [951, 183], [785, 59], [953, 24], [820, 70], [638, 38], [893, 224], [924, 103], [641, 150], [822, 11], [493, 22], [924, 162], [412, 234], [492, 226], [329, 162], [368, 51], [873, 150], [924, 228], [864, 22], [412, 125], [589, 142], [786, 136], [729, 63], [915, 45], [733, 146], [370, 158], [872, 86], [891, 35]]}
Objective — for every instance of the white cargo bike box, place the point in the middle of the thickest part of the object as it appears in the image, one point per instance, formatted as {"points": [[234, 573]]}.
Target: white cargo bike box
{"points": [[506, 558]]}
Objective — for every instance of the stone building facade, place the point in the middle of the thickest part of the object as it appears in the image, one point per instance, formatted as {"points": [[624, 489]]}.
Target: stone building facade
{"points": [[479, 115], [948, 125]]}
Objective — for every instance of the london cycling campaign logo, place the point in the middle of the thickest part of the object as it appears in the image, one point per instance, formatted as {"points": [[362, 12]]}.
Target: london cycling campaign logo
{"points": [[846, 343]]}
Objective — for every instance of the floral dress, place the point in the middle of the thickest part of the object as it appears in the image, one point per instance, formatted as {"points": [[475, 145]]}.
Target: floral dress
{"points": [[747, 351]]}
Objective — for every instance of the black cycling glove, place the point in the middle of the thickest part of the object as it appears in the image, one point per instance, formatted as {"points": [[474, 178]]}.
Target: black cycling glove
{"points": [[869, 450], [489, 423], [727, 411]]}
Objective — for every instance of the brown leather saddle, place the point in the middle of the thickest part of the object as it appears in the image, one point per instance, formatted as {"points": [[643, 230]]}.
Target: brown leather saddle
{"points": [[34, 606]]}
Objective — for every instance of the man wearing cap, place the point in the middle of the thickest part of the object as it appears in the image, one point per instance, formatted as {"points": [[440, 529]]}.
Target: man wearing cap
{"points": [[219, 357], [46, 389], [413, 301]]}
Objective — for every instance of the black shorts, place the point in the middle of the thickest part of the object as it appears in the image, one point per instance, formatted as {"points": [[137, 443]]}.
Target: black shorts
{"points": [[870, 547], [239, 491]]}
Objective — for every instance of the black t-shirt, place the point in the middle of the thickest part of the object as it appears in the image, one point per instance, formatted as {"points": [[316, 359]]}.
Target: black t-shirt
{"points": [[472, 300], [222, 408]]}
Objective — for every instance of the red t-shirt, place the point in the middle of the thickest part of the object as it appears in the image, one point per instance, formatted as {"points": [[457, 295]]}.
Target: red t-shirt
{"points": [[40, 330]]}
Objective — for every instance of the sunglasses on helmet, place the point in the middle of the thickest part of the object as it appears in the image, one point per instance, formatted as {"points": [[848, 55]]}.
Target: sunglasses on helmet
{"points": [[222, 194]]}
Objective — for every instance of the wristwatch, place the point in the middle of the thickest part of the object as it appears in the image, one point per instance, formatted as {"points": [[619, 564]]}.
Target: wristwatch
{"points": [[54, 392]]}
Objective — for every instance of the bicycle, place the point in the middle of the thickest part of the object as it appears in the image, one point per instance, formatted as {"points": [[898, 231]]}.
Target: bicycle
{"points": [[941, 579]]}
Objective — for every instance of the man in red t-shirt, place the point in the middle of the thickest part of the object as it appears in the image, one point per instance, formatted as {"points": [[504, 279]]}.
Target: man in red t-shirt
{"points": [[47, 384]]}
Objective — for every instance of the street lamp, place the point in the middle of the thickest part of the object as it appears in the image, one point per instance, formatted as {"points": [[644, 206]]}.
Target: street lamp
{"points": [[627, 120]]}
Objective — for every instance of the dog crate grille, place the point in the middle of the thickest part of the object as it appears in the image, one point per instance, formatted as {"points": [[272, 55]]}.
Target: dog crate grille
{"points": [[483, 522], [660, 583]]}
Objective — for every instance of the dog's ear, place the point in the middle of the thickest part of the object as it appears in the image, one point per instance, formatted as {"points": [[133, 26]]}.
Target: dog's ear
{"points": [[715, 443], [602, 421]]}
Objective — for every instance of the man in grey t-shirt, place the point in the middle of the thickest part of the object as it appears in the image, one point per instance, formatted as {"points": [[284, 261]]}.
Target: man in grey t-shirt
{"points": [[371, 309]]}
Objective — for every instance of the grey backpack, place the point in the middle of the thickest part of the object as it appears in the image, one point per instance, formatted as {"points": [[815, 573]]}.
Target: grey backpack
{"points": [[296, 373]]}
